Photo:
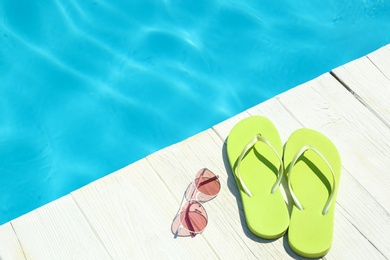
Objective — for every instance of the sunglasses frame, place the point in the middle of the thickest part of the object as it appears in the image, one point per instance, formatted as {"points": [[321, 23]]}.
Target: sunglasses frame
{"points": [[193, 197]]}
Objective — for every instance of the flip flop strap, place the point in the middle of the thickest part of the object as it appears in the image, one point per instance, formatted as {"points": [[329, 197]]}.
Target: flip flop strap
{"points": [[251, 143], [289, 173]]}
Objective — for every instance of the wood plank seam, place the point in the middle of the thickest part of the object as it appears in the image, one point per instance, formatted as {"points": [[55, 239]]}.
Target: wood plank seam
{"points": [[20, 244], [344, 170], [377, 203], [348, 216], [363, 235], [375, 206], [94, 231], [360, 99], [381, 71], [277, 98], [162, 180]]}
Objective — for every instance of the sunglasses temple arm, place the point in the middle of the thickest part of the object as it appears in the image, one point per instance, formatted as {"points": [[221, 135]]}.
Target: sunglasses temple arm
{"points": [[177, 214], [178, 230], [192, 234]]}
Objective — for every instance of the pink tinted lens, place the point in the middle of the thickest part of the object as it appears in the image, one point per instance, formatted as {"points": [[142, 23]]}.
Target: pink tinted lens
{"points": [[207, 182], [193, 217]]}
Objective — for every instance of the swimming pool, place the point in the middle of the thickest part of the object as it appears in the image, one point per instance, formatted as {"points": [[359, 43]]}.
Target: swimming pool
{"points": [[87, 87]]}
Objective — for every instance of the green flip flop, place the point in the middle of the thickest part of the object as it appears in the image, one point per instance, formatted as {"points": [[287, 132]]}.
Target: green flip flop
{"points": [[313, 168], [254, 151]]}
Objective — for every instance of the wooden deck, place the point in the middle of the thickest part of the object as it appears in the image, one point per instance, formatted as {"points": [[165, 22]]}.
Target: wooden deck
{"points": [[128, 214]]}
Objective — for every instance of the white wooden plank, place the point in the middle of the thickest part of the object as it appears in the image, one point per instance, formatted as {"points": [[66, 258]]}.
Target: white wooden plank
{"points": [[226, 231], [9, 244], [271, 109], [366, 216], [275, 111], [369, 79], [348, 242], [363, 141], [223, 129], [58, 230], [132, 211]]}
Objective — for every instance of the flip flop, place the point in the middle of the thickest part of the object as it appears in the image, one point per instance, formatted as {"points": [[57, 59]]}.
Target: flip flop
{"points": [[313, 168], [254, 151]]}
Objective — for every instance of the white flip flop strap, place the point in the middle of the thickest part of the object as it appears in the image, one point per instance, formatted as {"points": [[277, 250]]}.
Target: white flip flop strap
{"points": [[289, 173], [251, 143]]}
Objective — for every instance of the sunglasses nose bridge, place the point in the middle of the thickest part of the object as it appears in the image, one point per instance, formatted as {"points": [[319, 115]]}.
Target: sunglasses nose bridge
{"points": [[202, 193]]}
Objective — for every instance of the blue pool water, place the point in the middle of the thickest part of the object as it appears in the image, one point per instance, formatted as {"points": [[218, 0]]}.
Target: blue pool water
{"points": [[88, 87]]}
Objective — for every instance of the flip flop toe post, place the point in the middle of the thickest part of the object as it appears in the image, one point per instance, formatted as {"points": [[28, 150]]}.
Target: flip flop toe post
{"points": [[254, 151]]}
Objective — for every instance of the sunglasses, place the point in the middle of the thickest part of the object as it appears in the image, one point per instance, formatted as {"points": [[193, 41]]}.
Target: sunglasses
{"points": [[191, 218]]}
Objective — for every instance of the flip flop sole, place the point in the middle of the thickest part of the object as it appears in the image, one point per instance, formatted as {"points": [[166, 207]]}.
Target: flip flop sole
{"points": [[266, 214], [311, 232]]}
